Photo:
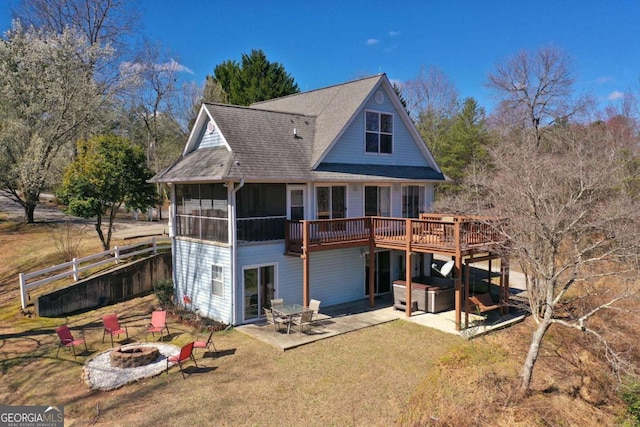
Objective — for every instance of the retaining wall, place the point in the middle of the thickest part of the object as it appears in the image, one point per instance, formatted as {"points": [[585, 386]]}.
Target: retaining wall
{"points": [[123, 283]]}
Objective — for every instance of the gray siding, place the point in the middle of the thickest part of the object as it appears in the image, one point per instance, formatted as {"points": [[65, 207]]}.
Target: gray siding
{"points": [[350, 147], [192, 274]]}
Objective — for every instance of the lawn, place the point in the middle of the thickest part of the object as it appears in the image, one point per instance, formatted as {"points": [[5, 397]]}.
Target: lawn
{"points": [[392, 374]]}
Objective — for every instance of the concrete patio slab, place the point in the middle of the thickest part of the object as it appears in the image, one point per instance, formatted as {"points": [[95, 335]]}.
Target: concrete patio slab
{"points": [[344, 318]]}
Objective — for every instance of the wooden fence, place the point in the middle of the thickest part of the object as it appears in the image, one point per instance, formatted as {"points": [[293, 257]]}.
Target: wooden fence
{"points": [[77, 266]]}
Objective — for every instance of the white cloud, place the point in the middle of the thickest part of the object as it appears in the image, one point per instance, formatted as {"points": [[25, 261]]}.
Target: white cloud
{"points": [[371, 42], [169, 66], [174, 66], [394, 33], [605, 79], [615, 95]]}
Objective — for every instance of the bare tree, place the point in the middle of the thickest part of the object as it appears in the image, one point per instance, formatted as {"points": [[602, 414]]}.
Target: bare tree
{"points": [[157, 101], [103, 22], [536, 88], [573, 226], [433, 101], [153, 79]]}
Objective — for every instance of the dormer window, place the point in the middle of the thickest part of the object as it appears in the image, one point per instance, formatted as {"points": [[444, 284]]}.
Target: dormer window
{"points": [[378, 132]]}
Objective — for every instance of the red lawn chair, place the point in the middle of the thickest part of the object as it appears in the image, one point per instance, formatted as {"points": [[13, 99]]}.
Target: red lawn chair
{"points": [[206, 344], [158, 323], [67, 340], [186, 353], [112, 327]]}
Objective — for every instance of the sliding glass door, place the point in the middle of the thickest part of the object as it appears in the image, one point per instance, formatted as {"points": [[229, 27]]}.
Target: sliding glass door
{"points": [[382, 277], [259, 290]]}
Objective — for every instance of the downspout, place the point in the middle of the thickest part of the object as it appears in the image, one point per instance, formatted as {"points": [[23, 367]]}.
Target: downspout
{"points": [[171, 225], [234, 247]]}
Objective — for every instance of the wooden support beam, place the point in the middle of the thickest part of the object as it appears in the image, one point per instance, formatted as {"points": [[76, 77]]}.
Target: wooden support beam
{"points": [[407, 257], [305, 263], [372, 266], [467, 281]]}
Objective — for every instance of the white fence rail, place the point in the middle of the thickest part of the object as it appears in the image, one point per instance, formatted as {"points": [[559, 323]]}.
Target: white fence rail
{"points": [[78, 265]]}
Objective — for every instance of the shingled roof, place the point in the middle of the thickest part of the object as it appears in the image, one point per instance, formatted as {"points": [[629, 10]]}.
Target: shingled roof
{"points": [[285, 138], [334, 107]]}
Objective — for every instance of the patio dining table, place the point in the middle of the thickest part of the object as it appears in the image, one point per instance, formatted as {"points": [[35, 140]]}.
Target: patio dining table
{"points": [[289, 311]]}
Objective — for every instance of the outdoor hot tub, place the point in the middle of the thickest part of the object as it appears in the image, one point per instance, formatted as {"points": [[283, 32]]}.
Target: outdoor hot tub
{"points": [[428, 294]]}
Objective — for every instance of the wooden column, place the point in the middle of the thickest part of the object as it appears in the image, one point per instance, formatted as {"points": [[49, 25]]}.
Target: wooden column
{"points": [[305, 263], [407, 270], [372, 265], [458, 273], [467, 280]]}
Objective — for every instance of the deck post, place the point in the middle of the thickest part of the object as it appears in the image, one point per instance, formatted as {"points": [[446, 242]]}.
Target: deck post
{"points": [[372, 264], [305, 263], [409, 302], [458, 272], [467, 277]]}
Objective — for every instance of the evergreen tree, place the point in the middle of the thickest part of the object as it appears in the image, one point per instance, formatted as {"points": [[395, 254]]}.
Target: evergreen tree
{"points": [[252, 80]]}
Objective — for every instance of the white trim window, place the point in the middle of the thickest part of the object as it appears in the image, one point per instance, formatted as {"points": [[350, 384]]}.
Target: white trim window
{"points": [[217, 280], [378, 132]]}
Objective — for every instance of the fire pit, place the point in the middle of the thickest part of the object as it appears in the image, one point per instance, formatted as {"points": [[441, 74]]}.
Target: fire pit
{"points": [[132, 357]]}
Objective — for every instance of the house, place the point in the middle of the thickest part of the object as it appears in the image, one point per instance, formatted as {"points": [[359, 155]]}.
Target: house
{"points": [[279, 199]]}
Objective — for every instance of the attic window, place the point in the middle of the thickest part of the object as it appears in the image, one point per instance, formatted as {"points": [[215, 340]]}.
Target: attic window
{"points": [[378, 132]]}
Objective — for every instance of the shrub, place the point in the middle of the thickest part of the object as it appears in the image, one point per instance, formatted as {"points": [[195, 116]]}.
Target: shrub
{"points": [[164, 291], [631, 395]]}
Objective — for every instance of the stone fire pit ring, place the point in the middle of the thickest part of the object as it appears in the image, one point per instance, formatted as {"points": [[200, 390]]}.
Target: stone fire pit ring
{"points": [[99, 374], [132, 357]]}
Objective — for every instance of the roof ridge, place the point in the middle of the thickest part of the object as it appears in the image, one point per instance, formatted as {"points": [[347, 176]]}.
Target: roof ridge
{"points": [[320, 88], [260, 110]]}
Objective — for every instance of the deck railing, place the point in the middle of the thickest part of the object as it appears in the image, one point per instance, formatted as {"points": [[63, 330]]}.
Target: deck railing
{"points": [[430, 231], [261, 229], [203, 228]]}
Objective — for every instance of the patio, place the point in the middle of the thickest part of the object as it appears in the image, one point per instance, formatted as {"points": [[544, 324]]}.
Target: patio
{"points": [[343, 318]]}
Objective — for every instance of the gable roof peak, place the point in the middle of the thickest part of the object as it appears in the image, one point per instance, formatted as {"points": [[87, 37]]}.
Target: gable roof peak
{"points": [[324, 88]]}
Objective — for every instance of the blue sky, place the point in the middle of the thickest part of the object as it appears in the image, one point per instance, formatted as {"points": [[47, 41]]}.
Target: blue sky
{"points": [[327, 42]]}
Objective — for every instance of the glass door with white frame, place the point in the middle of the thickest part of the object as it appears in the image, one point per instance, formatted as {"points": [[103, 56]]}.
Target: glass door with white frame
{"points": [[259, 289]]}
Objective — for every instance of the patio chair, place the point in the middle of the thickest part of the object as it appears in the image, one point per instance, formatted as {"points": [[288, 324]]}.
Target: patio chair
{"points": [[67, 340], [314, 305], [305, 319], [277, 302], [274, 319], [484, 303], [112, 327], [158, 323], [186, 353], [206, 344]]}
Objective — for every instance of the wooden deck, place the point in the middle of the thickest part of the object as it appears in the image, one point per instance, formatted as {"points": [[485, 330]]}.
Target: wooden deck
{"points": [[433, 233], [460, 237]]}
